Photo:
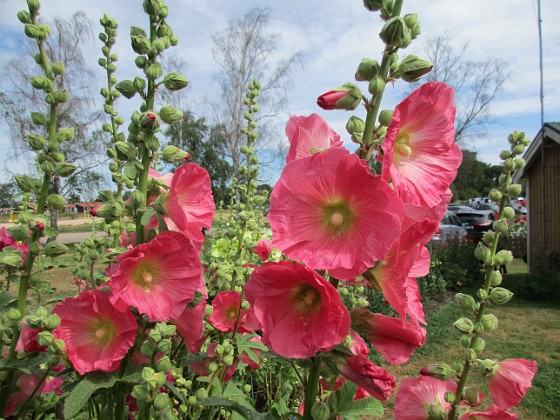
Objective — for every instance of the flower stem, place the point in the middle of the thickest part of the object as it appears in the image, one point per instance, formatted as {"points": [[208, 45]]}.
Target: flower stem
{"points": [[311, 388]]}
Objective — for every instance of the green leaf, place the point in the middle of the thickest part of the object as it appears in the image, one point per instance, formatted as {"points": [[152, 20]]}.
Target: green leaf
{"points": [[245, 345], [147, 216], [130, 170], [342, 405], [28, 365], [247, 413], [233, 393], [7, 300], [80, 395], [50, 232]]}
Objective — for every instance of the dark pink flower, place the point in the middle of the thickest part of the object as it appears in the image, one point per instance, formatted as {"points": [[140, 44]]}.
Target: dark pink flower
{"points": [[96, 335], [28, 339], [262, 249], [309, 135], [25, 385], [7, 240], [374, 379], [159, 277], [509, 381], [189, 203], [421, 157], [299, 311], [330, 212], [228, 313], [418, 398], [190, 325]]}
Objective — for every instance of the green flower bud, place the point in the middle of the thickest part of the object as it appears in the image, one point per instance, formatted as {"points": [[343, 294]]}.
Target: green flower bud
{"points": [[65, 169], [125, 151], [466, 302], [54, 249], [508, 164], [478, 344], [500, 226], [412, 68], [373, 5], [514, 190], [38, 118], [367, 70], [109, 210], [172, 154], [202, 394], [228, 360], [470, 354], [395, 33], [58, 68], [488, 237], [495, 278], [385, 117], [174, 40], [481, 294], [495, 195], [24, 16], [518, 150], [355, 125], [164, 345], [56, 202], [505, 256], [472, 396], [126, 87], [482, 252], [464, 325], [149, 122], [170, 115], [505, 154], [60, 96], [161, 401], [175, 81], [140, 44], [53, 321], [436, 411], [163, 364], [11, 260], [347, 96], [376, 86], [449, 397], [499, 295], [320, 411], [519, 163], [440, 371], [36, 142], [31, 30], [153, 71], [65, 134], [490, 322], [139, 84], [411, 20], [147, 349], [44, 338], [508, 213]]}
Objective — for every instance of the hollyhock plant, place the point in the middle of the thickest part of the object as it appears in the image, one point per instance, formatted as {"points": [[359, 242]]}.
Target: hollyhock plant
{"points": [[420, 156], [263, 249], [96, 335], [189, 203], [509, 381], [422, 398], [228, 313], [309, 135], [331, 213], [159, 277], [291, 300]]}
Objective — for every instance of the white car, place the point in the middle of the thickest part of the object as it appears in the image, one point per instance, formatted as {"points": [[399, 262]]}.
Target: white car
{"points": [[450, 230]]}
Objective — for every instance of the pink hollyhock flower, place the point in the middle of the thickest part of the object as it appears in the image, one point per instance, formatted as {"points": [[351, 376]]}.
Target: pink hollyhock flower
{"points": [[96, 335], [422, 397], [27, 341], [262, 249], [159, 277], [227, 313], [7, 240], [396, 342], [509, 381], [190, 326], [25, 384], [375, 380], [299, 311], [309, 135], [421, 158], [391, 274], [189, 203], [492, 412], [330, 212]]}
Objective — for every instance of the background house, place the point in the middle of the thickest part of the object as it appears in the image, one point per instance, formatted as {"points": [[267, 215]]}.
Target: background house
{"points": [[542, 171]]}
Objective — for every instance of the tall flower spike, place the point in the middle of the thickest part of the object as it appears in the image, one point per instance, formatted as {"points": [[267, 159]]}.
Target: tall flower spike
{"points": [[299, 311], [159, 277], [330, 212], [309, 135], [421, 158], [96, 335]]}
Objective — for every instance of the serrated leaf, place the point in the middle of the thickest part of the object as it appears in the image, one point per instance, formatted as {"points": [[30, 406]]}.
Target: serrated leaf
{"points": [[50, 232], [245, 345], [147, 216], [196, 358], [233, 393], [28, 365], [130, 170], [80, 395], [342, 398], [7, 300], [247, 413], [365, 407], [175, 392]]}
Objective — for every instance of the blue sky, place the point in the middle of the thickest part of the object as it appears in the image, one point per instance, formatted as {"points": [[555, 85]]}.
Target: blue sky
{"points": [[333, 37]]}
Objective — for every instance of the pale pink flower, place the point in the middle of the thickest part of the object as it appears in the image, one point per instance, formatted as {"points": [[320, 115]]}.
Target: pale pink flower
{"points": [[159, 277], [228, 314], [418, 398], [299, 311], [309, 135], [509, 381], [189, 203], [421, 157], [491, 413], [96, 335], [330, 212]]}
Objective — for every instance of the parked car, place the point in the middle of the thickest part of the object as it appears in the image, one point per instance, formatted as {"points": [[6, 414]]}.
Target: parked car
{"points": [[477, 222], [449, 230], [459, 208]]}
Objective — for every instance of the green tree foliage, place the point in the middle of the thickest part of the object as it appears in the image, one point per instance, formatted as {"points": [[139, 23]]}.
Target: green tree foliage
{"points": [[7, 195], [206, 145], [474, 177]]}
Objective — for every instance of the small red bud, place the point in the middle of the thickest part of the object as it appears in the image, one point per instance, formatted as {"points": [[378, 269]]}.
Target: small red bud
{"points": [[151, 116], [39, 226], [188, 157], [93, 212]]}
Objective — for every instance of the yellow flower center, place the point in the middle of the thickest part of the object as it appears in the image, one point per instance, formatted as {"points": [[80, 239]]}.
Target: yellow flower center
{"points": [[230, 313], [337, 217], [402, 146], [103, 331], [306, 299], [145, 276]]}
